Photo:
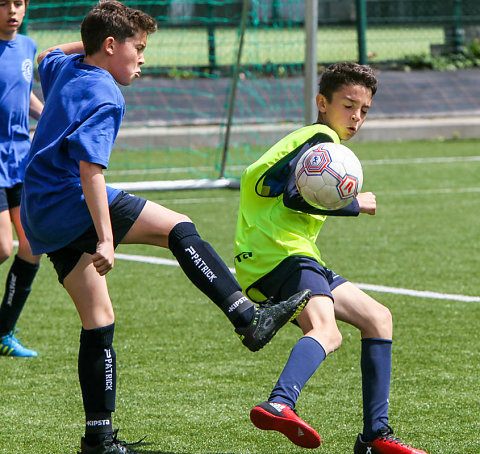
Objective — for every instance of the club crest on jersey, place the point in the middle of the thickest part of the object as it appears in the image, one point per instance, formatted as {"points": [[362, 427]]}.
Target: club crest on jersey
{"points": [[27, 69]]}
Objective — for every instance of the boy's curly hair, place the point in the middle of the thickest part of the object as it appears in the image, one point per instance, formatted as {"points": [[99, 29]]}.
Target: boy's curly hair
{"points": [[112, 18], [346, 73]]}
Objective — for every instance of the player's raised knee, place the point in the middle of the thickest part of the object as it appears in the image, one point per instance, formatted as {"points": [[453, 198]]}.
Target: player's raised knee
{"points": [[381, 321]]}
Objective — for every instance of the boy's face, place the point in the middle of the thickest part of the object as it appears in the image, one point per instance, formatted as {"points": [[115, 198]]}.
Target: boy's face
{"points": [[12, 13], [347, 110], [127, 57]]}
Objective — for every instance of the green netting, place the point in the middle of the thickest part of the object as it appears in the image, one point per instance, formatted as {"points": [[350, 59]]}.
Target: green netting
{"points": [[177, 111]]}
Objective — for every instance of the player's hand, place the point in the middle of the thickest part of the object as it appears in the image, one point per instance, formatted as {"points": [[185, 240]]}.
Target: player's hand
{"points": [[367, 202], [103, 258]]}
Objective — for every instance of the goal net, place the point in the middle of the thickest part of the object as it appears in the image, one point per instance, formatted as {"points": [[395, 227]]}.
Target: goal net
{"points": [[222, 81]]}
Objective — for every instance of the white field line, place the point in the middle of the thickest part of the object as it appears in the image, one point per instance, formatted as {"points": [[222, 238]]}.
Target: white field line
{"points": [[407, 192], [373, 288], [430, 191], [433, 160], [162, 170], [418, 293], [193, 200]]}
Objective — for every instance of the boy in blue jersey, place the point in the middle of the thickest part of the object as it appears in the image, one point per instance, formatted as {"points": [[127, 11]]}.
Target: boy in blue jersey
{"points": [[17, 100], [276, 253], [69, 213]]}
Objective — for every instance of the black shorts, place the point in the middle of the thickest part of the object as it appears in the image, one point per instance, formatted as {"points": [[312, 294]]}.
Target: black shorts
{"points": [[124, 211], [10, 197], [295, 274]]}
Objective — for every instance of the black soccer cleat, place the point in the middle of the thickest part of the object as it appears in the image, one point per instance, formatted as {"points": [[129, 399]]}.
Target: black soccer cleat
{"points": [[270, 318], [111, 445]]}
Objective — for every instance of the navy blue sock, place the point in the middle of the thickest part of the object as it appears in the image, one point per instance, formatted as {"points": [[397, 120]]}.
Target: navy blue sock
{"points": [[304, 360], [376, 365], [97, 374], [17, 289], [209, 274]]}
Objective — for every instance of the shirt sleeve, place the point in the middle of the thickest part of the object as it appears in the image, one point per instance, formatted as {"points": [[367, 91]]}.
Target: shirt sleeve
{"points": [[48, 69], [93, 139], [293, 200]]}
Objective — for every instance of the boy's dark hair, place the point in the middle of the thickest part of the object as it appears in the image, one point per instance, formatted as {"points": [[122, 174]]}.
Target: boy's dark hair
{"points": [[346, 73], [112, 18]]}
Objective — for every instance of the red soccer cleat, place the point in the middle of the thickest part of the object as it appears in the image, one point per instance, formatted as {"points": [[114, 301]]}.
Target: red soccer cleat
{"points": [[386, 443], [280, 417]]}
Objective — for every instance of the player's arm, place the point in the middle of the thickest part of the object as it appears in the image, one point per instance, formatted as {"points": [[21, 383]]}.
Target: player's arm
{"points": [[367, 202], [36, 106], [293, 200], [67, 49], [95, 192]]}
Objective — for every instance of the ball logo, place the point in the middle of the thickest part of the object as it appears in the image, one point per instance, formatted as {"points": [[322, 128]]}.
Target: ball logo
{"points": [[317, 161], [27, 69], [348, 187]]}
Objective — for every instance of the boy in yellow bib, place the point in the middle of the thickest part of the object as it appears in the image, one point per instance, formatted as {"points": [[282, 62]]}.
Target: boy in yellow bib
{"points": [[276, 254]]}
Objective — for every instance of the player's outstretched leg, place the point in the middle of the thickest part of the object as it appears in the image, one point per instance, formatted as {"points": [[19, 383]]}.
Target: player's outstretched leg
{"points": [[280, 417], [385, 443], [209, 273], [269, 319]]}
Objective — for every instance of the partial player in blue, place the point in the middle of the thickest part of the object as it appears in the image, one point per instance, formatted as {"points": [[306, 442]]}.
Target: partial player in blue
{"points": [[276, 254], [70, 214], [17, 101]]}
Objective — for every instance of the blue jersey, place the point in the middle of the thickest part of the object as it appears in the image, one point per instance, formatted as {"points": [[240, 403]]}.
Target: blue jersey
{"points": [[16, 80], [80, 121]]}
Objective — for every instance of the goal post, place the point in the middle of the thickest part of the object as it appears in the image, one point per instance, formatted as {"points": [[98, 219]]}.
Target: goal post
{"points": [[264, 69], [222, 82]]}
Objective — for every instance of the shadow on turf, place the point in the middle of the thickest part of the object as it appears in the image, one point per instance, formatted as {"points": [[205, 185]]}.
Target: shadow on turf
{"points": [[143, 451], [147, 451]]}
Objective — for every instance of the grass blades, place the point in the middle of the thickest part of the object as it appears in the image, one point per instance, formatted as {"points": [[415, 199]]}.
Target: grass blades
{"points": [[186, 381]]}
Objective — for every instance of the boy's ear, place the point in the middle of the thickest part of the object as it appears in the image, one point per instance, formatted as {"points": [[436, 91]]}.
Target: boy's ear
{"points": [[109, 45], [321, 103]]}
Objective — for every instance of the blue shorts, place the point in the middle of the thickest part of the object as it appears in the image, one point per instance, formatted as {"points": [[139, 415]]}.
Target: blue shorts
{"points": [[124, 211], [295, 274], [10, 197]]}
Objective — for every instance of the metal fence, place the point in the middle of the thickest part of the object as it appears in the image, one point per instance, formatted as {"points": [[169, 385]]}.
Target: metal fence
{"points": [[378, 30]]}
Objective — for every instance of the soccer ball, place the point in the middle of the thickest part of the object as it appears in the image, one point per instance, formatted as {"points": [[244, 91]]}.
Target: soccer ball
{"points": [[329, 176]]}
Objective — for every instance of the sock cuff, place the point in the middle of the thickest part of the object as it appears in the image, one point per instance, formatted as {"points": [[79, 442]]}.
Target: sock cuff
{"points": [[237, 302], [98, 423], [376, 340], [24, 264], [97, 337], [316, 342], [179, 232]]}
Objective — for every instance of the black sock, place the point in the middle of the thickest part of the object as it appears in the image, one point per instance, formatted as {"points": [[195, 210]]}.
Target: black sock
{"points": [[17, 288], [97, 375], [209, 274]]}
